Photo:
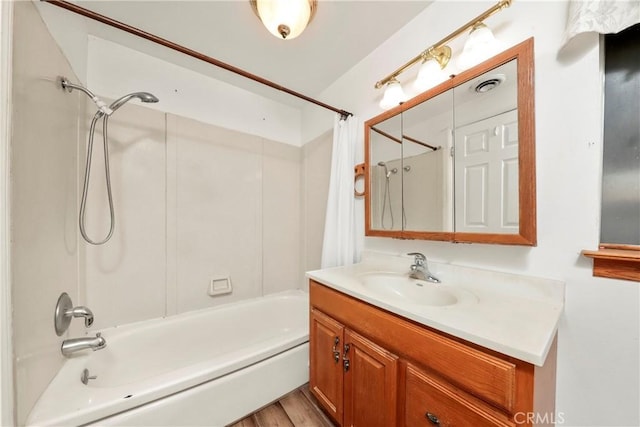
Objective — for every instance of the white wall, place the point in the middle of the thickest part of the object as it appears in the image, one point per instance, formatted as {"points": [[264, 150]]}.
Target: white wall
{"points": [[44, 251], [315, 175], [598, 352], [193, 202], [6, 351], [65, 28], [114, 70], [111, 69]]}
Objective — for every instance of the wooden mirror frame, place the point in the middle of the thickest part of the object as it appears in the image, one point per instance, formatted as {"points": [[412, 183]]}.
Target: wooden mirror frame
{"points": [[527, 235]]}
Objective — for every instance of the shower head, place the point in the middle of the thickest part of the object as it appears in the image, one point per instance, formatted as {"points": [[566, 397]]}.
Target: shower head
{"points": [[142, 96]]}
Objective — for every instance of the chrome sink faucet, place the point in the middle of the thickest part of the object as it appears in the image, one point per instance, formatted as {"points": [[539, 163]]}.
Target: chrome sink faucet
{"points": [[73, 345], [419, 269]]}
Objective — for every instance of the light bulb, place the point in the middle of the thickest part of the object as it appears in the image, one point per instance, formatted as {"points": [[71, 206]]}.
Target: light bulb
{"points": [[393, 95]]}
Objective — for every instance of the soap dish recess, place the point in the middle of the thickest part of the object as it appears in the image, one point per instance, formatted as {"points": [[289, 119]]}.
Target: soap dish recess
{"points": [[219, 286]]}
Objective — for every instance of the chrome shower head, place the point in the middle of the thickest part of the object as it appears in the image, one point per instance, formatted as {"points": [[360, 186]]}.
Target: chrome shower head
{"points": [[142, 96]]}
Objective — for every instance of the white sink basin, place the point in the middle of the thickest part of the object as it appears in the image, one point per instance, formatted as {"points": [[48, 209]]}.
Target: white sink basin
{"points": [[395, 287]]}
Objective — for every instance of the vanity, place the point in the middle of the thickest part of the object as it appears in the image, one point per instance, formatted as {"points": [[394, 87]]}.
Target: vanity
{"points": [[453, 346], [476, 350]]}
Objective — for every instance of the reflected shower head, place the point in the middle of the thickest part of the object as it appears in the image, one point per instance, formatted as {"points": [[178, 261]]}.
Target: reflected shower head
{"points": [[387, 172], [142, 96]]}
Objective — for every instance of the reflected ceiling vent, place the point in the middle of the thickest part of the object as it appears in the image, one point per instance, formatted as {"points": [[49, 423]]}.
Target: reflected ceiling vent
{"points": [[488, 83]]}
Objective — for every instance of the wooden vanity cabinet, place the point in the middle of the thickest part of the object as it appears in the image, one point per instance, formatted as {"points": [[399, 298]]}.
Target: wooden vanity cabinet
{"points": [[370, 367]]}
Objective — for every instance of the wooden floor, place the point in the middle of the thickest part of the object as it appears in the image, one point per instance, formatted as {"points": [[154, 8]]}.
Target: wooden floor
{"points": [[297, 409]]}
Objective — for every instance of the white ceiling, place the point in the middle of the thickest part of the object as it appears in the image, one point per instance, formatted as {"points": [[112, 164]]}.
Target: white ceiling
{"points": [[340, 35]]}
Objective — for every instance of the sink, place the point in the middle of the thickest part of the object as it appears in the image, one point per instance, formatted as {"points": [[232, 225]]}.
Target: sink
{"points": [[401, 288]]}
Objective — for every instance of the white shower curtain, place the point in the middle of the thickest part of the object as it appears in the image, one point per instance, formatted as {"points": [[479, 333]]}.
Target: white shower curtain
{"points": [[341, 229]]}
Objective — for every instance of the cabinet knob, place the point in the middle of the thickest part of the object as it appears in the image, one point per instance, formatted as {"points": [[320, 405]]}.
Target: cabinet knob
{"points": [[432, 418]]}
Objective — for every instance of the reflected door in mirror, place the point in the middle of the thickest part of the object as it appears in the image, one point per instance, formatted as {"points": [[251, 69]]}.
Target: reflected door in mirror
{"points": [[486, 152]]}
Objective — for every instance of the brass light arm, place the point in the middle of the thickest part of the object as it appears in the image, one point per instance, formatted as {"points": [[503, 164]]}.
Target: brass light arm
{"points": [[433, 50]]}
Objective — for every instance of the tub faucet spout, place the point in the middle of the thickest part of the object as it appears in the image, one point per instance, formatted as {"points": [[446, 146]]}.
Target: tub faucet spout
{"points": [[73, 345]]}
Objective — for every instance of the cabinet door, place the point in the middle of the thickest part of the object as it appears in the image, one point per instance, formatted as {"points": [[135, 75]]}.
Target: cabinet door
{"points": [[326, 338], [370, 383]]}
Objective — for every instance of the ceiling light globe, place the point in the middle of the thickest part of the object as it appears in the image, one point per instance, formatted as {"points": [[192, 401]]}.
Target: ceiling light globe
{"points": [[393, 95], [285, 19]]}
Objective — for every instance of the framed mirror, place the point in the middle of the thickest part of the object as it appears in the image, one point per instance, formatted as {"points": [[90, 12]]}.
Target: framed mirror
{"points": [[457, 163]]}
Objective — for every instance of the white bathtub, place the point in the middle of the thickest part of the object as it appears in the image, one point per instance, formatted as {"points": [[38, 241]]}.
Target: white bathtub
{"points": [[207, 367]]}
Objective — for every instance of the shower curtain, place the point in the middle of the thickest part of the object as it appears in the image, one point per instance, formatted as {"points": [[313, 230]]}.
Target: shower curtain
{"points": [[341, 244]]}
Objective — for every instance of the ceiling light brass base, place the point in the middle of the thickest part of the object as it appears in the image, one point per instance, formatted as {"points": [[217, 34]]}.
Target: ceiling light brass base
{"points": [[441, 54], [313, 5]]}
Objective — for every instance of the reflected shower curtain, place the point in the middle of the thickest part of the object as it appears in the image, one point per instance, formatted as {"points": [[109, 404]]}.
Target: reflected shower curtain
{"points": [[341, 244]]}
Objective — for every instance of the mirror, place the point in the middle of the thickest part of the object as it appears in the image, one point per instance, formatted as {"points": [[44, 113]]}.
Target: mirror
{"points": [[457, 163]]}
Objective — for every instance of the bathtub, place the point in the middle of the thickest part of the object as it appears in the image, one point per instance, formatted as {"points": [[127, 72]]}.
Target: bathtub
{"points": [[207, 367]]}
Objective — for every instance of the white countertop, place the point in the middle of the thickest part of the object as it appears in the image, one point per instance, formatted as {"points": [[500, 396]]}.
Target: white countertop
{"points": [[512, 314]]}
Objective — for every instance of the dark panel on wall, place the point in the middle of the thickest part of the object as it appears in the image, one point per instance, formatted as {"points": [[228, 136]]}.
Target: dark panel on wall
{"points": [[621, 168]]}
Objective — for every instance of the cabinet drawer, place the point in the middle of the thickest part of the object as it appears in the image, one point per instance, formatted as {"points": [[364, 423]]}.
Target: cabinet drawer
{"points": [[429, 402]]}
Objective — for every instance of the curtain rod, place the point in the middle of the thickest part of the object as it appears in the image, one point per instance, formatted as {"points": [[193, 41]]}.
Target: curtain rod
{"points": [[399, 141], [190, 52]]}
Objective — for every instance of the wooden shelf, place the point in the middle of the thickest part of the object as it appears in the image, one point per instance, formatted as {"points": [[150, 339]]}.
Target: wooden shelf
{"points": [[616, 262]]}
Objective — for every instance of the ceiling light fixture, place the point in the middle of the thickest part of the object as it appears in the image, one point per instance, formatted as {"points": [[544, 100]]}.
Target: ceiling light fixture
{"points": [[285, 19], [482, 46]]}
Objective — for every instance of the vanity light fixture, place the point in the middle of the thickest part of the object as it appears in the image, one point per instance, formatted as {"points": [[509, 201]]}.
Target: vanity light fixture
{"points": [[393, 95], [285, 19], [481, 45], [432, 69]]}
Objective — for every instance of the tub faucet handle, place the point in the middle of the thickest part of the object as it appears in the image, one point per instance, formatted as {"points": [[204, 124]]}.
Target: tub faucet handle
{"points": [[81, 311], [65, 311]]}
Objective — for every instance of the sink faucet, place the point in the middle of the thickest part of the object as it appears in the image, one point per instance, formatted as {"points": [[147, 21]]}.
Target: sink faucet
{"points": [[77, 344], [419, 269]]}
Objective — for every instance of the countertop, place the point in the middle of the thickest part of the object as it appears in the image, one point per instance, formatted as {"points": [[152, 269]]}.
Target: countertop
{"points": [[513, 314]]}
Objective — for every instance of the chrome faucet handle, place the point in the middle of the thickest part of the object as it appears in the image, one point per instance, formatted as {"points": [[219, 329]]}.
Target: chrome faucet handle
{"points": [[419, 258], [65, 311], [81, 311]]}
